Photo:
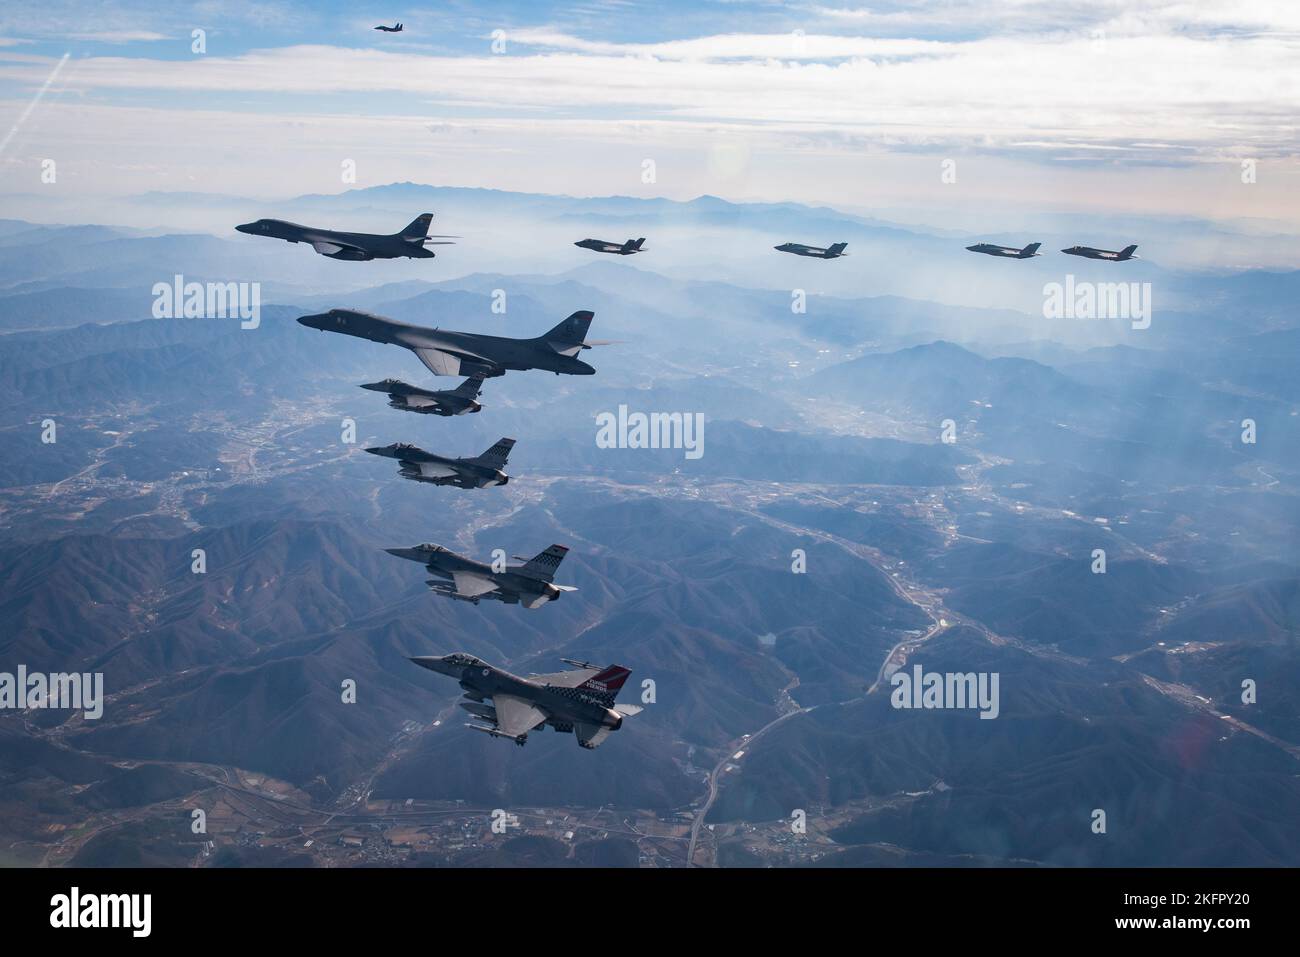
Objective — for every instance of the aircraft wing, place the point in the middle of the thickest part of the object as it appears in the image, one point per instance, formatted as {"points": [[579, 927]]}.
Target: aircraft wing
{"points": [[515, 716], [436, 470], [439, 362], [331, 248], [446, 362], [471, 585], [566, 679]]}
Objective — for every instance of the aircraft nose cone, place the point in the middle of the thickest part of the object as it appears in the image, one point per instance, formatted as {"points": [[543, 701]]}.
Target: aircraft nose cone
{"points": [[427, 661], [410, 554], [244, 228], [313, 322], [377, 450]]}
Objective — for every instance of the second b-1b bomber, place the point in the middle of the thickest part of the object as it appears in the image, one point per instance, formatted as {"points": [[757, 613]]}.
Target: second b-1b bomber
{"points": [[445, 352]]}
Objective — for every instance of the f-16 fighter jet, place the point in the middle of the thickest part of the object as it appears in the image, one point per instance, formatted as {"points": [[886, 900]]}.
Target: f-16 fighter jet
{"points": [[411, 398], [392, 29], [1029, 252], [619, 249], [469, 353], [480, 471], [1089, 253], [578, 702], [816, 252], [528, 584], [411, 243]]}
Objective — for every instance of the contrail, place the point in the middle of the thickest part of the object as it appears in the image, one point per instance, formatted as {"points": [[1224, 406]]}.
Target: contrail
{"points": [[54, 75]]}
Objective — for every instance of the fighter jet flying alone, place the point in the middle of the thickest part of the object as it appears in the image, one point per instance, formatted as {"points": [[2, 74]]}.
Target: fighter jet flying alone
{"points": [[468, 353], [619, 249], [528, 584], [393, 29], [411, 243], [1088, 252], [411, 398], [578, 702], [1029, 252], [816, 252], [479, 471]]}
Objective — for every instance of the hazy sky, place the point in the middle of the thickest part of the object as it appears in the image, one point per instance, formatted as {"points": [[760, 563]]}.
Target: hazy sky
{"points": [[1147, 105]]}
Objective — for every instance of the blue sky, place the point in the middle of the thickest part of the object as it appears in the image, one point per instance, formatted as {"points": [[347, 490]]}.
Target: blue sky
{"points": [[1149, 104]]}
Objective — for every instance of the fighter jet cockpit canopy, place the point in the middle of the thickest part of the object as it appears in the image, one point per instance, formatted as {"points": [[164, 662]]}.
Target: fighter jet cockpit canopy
{"points": [[460, 658]]}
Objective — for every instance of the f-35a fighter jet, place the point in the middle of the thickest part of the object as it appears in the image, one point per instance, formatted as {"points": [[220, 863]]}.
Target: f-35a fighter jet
{"points": [[410, 243], [578, 702], [1029, 252], [619, 249], [1089, 252], [464, 579], [468, 353], [480, 471], [816, 252], [411, 398]]}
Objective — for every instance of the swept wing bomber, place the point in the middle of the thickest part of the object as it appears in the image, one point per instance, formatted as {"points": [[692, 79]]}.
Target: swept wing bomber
{"points": [[411, 243], [445, 352]]}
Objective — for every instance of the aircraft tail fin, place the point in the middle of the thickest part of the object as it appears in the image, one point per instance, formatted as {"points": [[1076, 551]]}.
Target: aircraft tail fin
{"points": [[419, 228], [837, 249], [544, 565], [1030, 250], [497, 455], [606, 685], [1127, 252], [470, 388], [633, 245], [572, 331]]}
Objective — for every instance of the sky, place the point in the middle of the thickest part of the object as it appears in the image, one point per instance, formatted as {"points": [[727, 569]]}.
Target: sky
{"points": [[970, 107]]}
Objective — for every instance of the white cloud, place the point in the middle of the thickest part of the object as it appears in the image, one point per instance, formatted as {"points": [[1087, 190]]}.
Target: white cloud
{"points": [[1060, 84], [119, 36], [1239, 92]]}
